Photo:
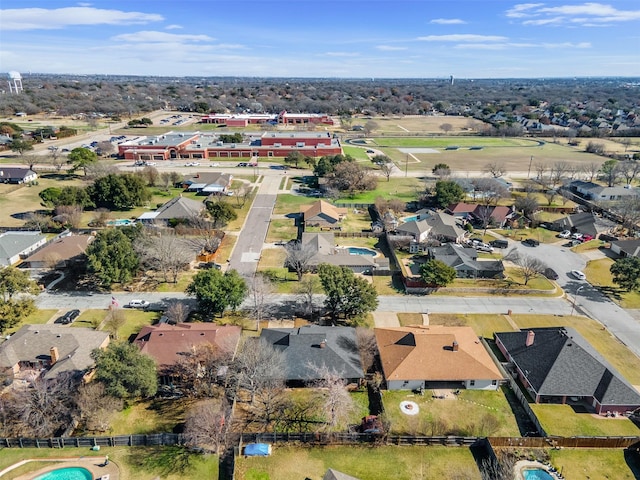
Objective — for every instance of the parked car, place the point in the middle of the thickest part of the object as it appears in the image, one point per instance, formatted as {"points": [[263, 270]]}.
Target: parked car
{"points": [[243, 164], [577, 274], [564, 234], [483, 247], [577, 236], [532, 242], [499, 243], [68, 317], [370, 151], [550, 273], [586, 237], [139, 304]]}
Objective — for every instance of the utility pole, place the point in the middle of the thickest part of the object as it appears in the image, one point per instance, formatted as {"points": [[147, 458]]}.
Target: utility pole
{"points": [[530, 162]]}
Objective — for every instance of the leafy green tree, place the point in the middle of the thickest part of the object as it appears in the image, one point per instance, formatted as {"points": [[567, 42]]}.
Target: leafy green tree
{"points": [[626, 273], [294, 158], [216, 292], [610, 172], [437, 274], [230, 137], [448, 192], [119, 192], [14, 305], [441, 170], [71, 195], [81, 158], [348, 296], [20, 146], [125, 372], [112, 258], [327, 164], [201, 107], [221, 212], [49, 196]]}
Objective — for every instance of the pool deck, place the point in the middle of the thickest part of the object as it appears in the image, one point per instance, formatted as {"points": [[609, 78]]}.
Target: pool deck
{"points": [[527, 464], [93, 464]]}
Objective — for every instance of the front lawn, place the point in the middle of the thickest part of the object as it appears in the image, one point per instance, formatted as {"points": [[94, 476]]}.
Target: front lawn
{"points": [[483, 324], [561, 420], [38, 317], [471, 413], [365, 463], [403, 188], [598, 274]]}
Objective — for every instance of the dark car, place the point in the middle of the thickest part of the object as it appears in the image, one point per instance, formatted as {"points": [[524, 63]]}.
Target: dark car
{"points": [[550, 273], [499, 243], [68, 317], [531, 242]]}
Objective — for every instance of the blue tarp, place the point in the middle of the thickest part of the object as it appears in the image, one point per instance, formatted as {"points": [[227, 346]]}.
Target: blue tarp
{"points": [[257, 449]]}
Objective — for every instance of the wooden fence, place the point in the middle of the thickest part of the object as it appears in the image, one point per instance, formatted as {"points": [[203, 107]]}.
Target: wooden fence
{"points": [[355, 438], [565, 442]]}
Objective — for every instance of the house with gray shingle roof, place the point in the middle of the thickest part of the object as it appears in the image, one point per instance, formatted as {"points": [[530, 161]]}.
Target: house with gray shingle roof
{"points": [[558, 365], [322, 248], [181, 208], [17, 175], [310, 348], [626, 248], [17, 245], [49, 350], [465, 261]]}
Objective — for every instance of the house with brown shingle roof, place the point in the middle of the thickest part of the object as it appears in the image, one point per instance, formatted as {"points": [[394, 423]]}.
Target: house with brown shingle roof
{"points": [[435, 356], [61, 252], [167, 343], [322, 214]]}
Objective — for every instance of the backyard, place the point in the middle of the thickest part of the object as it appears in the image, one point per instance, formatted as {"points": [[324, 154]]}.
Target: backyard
{"points": [[365, 463], [471, 413], [563, 421], [597, 464]]}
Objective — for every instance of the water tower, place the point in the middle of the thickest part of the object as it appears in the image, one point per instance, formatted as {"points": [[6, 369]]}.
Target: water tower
{"points": [[15, 82]]}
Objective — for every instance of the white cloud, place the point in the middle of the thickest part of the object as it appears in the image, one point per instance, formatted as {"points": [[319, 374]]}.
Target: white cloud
{"points": [[512, 45], [448, 21], [50, 19], [585, 14], [463, 38], [389, 48], [522, 10], [150, 36], [173, 27]]}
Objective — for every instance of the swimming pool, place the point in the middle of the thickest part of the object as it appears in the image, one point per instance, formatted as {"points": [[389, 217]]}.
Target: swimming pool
{"points": [[536, 474], [361, 251], [72, 473], [120, 222]]}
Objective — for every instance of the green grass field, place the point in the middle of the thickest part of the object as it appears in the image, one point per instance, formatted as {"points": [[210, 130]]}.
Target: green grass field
{"points": [[365, 463], [563, 421], [599, 274], [462, 415], [444, 142], [596, 464]]}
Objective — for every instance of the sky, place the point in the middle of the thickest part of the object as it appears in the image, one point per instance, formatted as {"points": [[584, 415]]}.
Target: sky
{"points": [[322, 38]]}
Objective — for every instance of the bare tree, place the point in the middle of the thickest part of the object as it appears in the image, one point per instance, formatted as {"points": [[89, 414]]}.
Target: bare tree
{"points": [[336, 404], [198, 370], [590, 170], [550, 195], [56, 158], [308, 287], [167, 254], [37, 221], [105, 148], [528, 266], [45, 407], [370, 126], [100, 217], [298, 259], [115, 321], [69, 215], [177, 312], [559, 172], [629, 169], [384, 164], [150, 175], [96, 408], [491, 191], [207, 239], [629, 212], [207, 423], [446, 127], [260, 292], [495, 169], [257, 365], [367, 347], [165, 180]]}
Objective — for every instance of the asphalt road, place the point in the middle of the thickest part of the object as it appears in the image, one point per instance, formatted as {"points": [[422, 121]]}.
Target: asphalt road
{"points": [[246, 253]]}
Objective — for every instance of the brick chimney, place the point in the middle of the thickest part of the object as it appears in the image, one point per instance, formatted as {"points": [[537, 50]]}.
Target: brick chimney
{"points": [[455, 346], [55, 356], [531, 336]]}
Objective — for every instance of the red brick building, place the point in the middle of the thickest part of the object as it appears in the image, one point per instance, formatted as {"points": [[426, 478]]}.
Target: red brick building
{"points": [[283, 118], [198, 145]]}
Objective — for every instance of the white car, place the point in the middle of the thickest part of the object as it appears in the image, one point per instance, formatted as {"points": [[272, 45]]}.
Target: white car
{"points": [[578, 275], [215, 164], [192, 164], [577, 236], [139, 304], [564, 234]]}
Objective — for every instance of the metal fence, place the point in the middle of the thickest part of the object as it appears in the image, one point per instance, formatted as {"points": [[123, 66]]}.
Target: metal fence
{"points": [[155, 439]]}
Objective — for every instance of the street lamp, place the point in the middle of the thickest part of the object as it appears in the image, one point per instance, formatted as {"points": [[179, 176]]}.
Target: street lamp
{"points": [[575, 299]]}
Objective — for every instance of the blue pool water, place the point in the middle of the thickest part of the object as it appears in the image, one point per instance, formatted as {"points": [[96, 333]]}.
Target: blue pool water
{"points": [[413, 218], [536, 474], [73, 473], [361, 251], [120, 222]]}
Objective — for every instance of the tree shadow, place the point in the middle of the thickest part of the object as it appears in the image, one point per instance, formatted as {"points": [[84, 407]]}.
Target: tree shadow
{"points": [[632, 457]]}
